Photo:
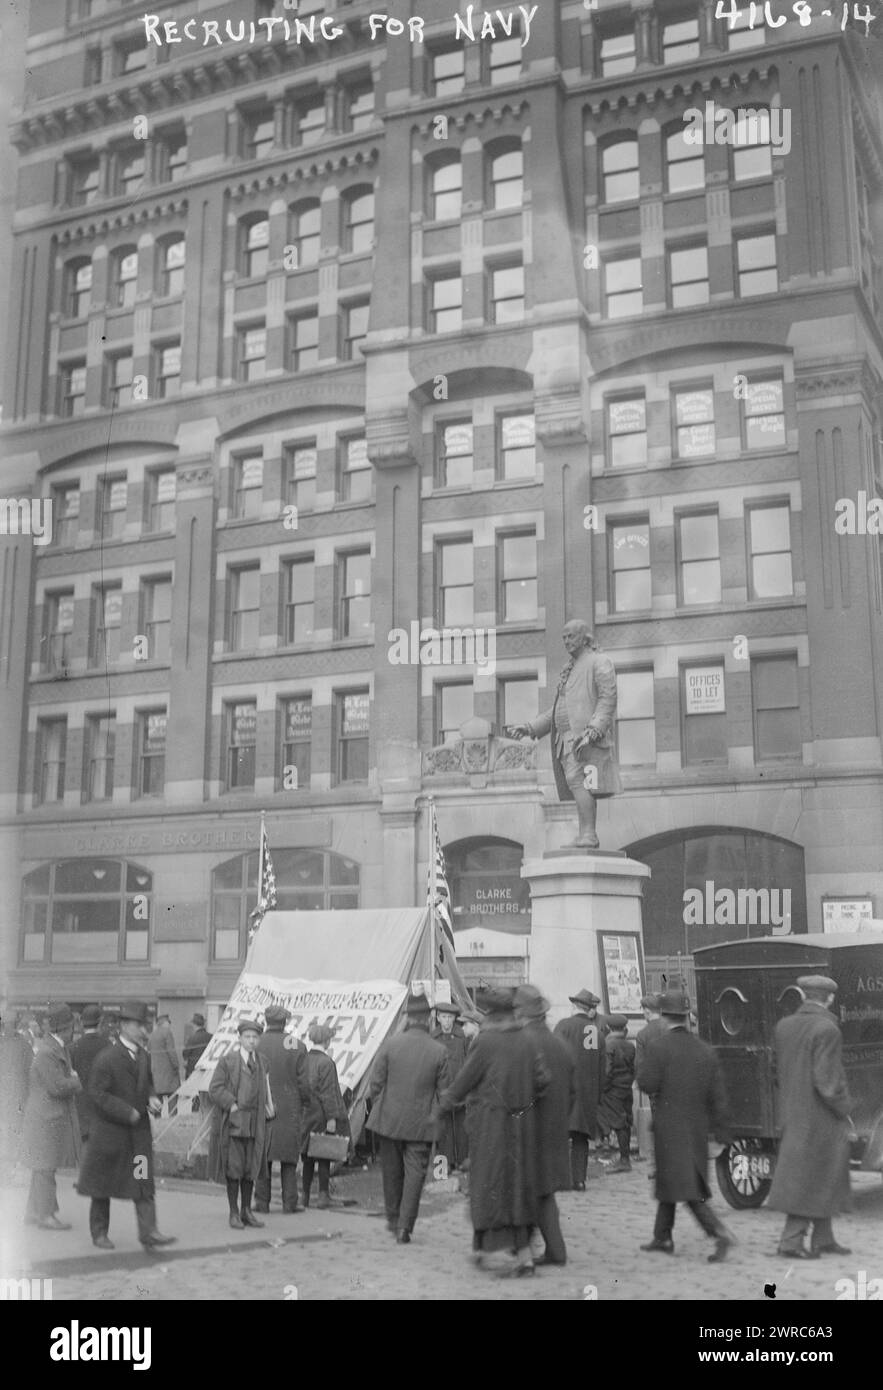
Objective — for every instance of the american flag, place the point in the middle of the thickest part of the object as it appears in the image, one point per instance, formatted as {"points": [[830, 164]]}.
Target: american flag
{"points": [[438, 882], [266, 885]]}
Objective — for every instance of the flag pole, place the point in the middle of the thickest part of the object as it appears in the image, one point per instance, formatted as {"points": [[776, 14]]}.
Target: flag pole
{"points": [[433, 944]]}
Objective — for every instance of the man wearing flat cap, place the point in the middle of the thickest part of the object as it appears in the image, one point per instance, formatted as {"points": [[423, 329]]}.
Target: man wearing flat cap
{"points": [[196, 1043], [811, 1181], [286, 1059], [615, 1110], [553, 1115], [240, 1090], [51, 1132], [584, 1034], [83, 1054], [681, 1074], [409, 1073], [118, 1158], [452, 1144]]}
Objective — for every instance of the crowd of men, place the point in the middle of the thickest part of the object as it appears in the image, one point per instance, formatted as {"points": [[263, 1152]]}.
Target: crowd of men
{"points": [[491, 1091]]}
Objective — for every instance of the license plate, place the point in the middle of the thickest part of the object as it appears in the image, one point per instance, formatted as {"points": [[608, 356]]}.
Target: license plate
{"points": [[759, 1166]]}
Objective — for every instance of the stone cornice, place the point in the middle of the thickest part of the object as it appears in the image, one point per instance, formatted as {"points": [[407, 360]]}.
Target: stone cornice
{"points": [[713, 330], [320, 166], [122, 218], [671, 90], [846, 378]]}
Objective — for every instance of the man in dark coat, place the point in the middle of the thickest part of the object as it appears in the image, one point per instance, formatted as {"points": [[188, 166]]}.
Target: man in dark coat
{"points": [[506, 1075], [410, 1071], [553, 1114], [51, 1133], [584, 1034], [681, 1073], [453, 1144], [118, 1158], [811, 1181], [196, 1043], [286, 1059], [615, 1110], [240, 1090], [83, 1054], [16, 1056]]}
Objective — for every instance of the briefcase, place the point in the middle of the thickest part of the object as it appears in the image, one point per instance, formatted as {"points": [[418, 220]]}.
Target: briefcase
{"points": [[333, 1146]]}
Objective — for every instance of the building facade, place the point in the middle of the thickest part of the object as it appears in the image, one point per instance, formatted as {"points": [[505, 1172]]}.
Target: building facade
{"points": [[321, 342]]}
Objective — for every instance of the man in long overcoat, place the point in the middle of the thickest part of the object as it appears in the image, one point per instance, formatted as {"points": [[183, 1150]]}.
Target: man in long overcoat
{"points": [[506, 1075], [51, 1132], [240, 1090], [681, 1073], [286, 1059], [584, 1034], [196, 1043], [453, 1144], [553, 1116], [409, 1073], [118, 1158], [811, 1181], [83, 1054], [164, 1065], [581, 722]]}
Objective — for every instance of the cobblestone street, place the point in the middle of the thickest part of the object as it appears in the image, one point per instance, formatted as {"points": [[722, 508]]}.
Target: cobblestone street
{"points": [[346, 1252]]}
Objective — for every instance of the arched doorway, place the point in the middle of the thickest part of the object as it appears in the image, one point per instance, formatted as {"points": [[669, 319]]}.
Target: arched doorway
{"points": [[491, 909]]}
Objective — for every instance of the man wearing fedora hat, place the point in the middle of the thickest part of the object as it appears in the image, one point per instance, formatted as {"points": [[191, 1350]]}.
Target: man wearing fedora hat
{"points": [[553, 1114], [681, 1073], [584, 1034], [409, 1073], [811, 1181], [196, 1043], [118, 1159], [286, 1059], [51, 1132], [452, 1144], [83, 1054], [240, 1089]]}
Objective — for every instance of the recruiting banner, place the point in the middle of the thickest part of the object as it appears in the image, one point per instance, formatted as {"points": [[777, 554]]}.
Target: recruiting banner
{"points": [[360, 1014]]}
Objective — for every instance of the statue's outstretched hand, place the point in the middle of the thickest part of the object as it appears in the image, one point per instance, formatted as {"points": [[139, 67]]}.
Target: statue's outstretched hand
{"points": [[590, 736], [519, 731]]}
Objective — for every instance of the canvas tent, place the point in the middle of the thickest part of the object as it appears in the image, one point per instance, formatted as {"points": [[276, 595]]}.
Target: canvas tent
{"points": [[351, 970]]}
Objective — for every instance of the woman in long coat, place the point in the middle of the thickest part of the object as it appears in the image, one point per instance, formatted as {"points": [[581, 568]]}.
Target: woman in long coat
{"points": [[240, 1090], [506, 1075], [50, 1133], [325, 1113]]}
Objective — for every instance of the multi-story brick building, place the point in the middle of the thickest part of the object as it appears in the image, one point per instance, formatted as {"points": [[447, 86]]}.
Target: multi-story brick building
{"points": [[315, 340]]}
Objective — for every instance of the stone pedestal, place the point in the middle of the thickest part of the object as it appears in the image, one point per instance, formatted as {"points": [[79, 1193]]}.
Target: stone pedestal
{"points": [[576, 897]]}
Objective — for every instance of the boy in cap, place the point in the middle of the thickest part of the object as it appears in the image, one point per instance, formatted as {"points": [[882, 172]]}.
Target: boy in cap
{"points": [[811, 1181], [452, 1144], [584, 1035], [615, 1110], [240, 1088], [51, 1135]]}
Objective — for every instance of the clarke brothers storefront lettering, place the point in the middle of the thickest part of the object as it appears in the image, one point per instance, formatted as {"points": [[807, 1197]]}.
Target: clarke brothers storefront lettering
{"points": [[166, 839], [505, 905]]}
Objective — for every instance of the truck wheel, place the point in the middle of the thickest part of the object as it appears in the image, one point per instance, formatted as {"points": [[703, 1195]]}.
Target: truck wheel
{"points": [[744, 1172]]}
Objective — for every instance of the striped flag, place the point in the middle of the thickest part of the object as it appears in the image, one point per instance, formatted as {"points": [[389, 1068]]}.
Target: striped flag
{"points": [[438, 893], [266, 884]]}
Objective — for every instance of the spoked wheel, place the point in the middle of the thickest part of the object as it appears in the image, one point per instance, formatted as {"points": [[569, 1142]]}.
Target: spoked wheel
{"points": [[745, 1172]]}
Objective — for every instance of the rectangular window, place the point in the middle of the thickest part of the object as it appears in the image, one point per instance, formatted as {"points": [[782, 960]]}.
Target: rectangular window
{"points": [[445, 189], [50, 761], [446, 303], [58, 627], [505, 61], [124, 279], [448, 71], [352, 715], [454, 454], [66, 514], [305, 234], [114, 495], [130, 57], [255, 253], [517, 701], [151, 773], [507, 179], [356, 473], [685, 162], [704, 714], [92, 76], [360, 108], [73, 389], [161, 500], [355, 330], [507, 294], [454, 600], [454, 704], [241, 738], [519, 589], [107, 608], [623, 287], [260, 134], [156, 610], [359, 228], [630, 577], [763, 414], [627, 432], [300, 476], [120, 378], [252, 343], [699, 558], [248, 485], [620, 170], [304, 340], [300, 601], [173, 157], [354, 588], [168, 370], [245, 608], [680, 41], [173, 255], [747, 29], [129, 166], [775, 698], [78, 289], [100, 744], [618, 53], [693, 409], [688, 276], [84, 185], [635, 719], [311, 120], [752, 150], [756, 265], [516, 447], [769, 551], [297, 735]]}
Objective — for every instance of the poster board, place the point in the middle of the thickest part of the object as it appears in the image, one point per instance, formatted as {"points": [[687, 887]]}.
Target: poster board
{"points": [[622, 972]]}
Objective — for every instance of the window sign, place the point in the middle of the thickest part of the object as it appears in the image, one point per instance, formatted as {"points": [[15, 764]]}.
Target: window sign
{"points": [[704, 687]]}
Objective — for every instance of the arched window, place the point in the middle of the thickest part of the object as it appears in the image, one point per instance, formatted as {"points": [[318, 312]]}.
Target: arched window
{"points": [[505, 174], [684, 163], [77, 290], [358, 218], [170, 263], [444, 189], [124, 276], [487, 889], [304, 231], [85, 912], [254, 245], [306, 880], [619, 170], [752, 150]]}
